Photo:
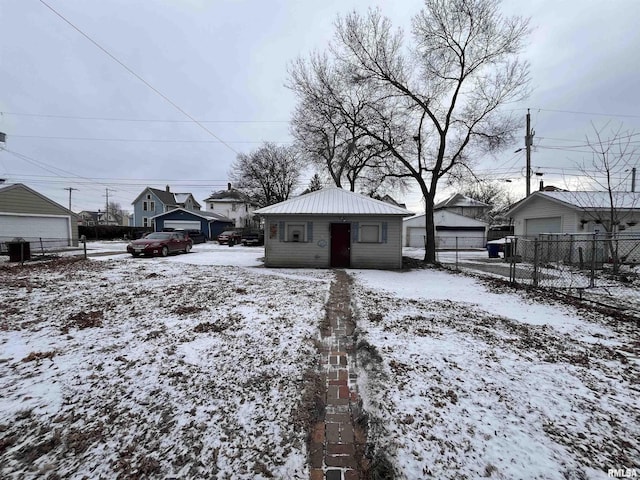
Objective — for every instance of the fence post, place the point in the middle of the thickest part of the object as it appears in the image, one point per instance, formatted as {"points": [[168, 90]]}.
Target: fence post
{"points": [[41, 247], [512, 260], [593, 262], [457, 269], [536, 260], [84, 245]]}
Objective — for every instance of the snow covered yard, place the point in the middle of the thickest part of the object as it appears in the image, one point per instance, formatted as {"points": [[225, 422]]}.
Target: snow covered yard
{"points": [[157, 368], [196, 366], [463, 380]]}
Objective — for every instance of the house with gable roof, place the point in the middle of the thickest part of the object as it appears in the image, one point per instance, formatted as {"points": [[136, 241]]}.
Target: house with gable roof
{"points": [[462, 205], [333, 227], [153, 201], [234, 204]]}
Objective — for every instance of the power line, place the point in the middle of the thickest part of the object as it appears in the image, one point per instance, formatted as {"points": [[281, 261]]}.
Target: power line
{"points": [[149, 120], [149, 140], [599, 114], [113, 57]]}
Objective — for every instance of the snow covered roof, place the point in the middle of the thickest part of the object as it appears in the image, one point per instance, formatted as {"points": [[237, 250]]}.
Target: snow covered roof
{"points": [[596, 199], [183, 197], [459, 200], [333, 201], [585, 200]]}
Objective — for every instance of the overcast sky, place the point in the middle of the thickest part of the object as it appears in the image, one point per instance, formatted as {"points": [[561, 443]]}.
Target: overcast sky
{"points": [[76, 118]]}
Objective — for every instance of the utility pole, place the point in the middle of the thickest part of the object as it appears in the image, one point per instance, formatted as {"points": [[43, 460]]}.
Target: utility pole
{"points": [[528, 142], [71, 189], [107, 206]]}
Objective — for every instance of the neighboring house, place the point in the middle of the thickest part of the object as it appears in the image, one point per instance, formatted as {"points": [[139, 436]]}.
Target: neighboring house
{"points": [[152, 202], [91, 219], [333, 228], [211, 224], [27, 214], [574, 212], [463, 205], [469, 232], [234, 204]]}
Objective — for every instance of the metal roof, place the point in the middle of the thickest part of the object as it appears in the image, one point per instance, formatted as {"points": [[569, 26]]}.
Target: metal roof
{"points": [[585, 200], [333, 201]]}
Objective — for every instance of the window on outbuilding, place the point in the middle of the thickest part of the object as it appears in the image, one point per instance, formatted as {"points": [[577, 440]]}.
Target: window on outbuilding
{"points": [[370, 233], [295, 232]]}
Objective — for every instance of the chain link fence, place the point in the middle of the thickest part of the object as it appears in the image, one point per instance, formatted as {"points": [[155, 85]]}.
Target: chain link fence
{"points": [[599, 268], [20, 249]]}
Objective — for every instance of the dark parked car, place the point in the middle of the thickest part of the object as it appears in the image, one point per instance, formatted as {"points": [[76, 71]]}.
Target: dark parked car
{"points": [[252, 238], [160, 243], [196, 236], [230, 236]]}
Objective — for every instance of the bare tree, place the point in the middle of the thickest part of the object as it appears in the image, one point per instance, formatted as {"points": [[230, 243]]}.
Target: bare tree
{"points": [[434, 106], [490, 192], [329, 138], [268, 174], [604, 197]]}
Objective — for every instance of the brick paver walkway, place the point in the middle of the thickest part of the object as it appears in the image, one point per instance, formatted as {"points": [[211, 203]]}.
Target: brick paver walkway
{"points": [[337, 442]]}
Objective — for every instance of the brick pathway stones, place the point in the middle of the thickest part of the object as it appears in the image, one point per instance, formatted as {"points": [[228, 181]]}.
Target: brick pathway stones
{"points": [[337, 442]]}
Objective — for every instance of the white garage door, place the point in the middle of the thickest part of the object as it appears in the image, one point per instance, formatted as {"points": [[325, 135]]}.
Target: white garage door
{"points": [[415, 237], [535, 226], [466, 239], [185, 224], [52, 231]]}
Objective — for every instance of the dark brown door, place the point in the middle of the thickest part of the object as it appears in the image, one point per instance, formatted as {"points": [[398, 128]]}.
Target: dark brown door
{"points": [[341, 245]]}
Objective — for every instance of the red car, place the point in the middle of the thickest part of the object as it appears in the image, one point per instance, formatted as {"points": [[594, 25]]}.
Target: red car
{"points": [[160, 243]]}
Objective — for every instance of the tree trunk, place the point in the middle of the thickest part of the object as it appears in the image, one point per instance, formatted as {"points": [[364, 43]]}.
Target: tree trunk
{"points": [[429, 231]]}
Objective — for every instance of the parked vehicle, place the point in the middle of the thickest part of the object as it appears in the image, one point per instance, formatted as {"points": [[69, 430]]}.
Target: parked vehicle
{"points": [[253, 238], [233, 236], [196, 236], [160, 243]]}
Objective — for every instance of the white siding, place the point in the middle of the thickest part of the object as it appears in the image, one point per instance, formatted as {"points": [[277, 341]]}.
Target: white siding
{"points": [[542, 208], [316, 253]]}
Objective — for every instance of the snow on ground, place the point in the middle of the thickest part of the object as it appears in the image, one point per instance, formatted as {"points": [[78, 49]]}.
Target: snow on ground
{"points": [[129, 368], [193, 366], [464, 381]]}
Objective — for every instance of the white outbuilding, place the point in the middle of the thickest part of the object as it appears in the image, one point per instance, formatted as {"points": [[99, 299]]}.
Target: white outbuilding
{"points": [[333, 228], [452, 231]]}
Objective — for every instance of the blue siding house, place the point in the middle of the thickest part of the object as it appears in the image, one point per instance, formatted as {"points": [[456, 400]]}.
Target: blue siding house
{"points": [[211, 224], [152, 202]]}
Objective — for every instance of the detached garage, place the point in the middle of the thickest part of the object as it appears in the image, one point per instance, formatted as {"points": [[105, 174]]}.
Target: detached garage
{"points": [[27, 214], [452, 230], [209, 223]]}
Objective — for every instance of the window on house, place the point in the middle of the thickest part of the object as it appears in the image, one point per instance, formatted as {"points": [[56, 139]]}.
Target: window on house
{"points": [[148, 196], [145, 221], [152, 206], [295, 232], [145, 206], [370, 233], [211, 206], [234, 207]]}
